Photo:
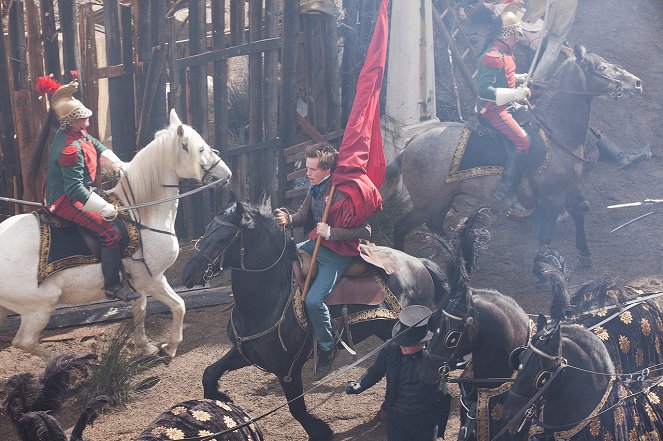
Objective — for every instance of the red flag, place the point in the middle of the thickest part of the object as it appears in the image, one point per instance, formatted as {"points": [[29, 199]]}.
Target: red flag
{"points": [[361, 165]]}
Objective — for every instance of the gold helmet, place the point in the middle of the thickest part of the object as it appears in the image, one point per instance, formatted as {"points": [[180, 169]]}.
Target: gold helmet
{"points": [[66, 107], [510, 25]]}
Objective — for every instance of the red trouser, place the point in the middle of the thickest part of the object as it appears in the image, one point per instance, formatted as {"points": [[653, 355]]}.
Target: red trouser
{"points": [[500, 118], [93, 222]]}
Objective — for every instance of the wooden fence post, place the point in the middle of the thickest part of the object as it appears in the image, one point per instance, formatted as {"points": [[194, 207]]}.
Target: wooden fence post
{"points": [[17, 44], [49, 37], [287, 124], [70, 49], [127, 81], [259, 173], [271, 100], [88, 76]]}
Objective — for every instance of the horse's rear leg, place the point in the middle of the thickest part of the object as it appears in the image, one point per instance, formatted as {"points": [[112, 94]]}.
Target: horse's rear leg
{"points": [[163, 292], [138, 310], [404, 225], [577, 212], [3, 315], [316, 429], [27, 337], [230, 361]]}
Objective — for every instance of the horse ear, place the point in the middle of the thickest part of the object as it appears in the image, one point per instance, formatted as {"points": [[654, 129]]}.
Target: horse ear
{"points": [[541, 322], [232, 198], [579, 51], [174, 119]]}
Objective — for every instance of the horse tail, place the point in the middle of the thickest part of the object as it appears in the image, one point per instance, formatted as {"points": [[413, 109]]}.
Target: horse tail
{"points": [[551, 265], [440, 282], [393, 177], [473, 238]]}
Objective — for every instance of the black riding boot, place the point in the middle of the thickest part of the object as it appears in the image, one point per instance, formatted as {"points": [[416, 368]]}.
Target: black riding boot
{"points": [[507, 190], [623, 157], [111, 261]]}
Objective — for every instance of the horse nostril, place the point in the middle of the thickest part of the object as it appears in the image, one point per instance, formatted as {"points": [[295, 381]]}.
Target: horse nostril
{"points": [[638, 85]]}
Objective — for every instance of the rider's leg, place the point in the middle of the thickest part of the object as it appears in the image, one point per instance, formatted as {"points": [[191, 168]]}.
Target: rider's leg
{"points": [[331, 267], [111, 254], [517, 149], [623, 157]]}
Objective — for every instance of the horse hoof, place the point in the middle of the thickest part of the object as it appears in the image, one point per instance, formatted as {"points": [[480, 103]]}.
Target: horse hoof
{"points": [[165, 353], [584, 262], [150, 350]]}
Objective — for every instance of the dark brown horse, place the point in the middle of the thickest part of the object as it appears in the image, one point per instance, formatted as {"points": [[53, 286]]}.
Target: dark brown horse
{"points": [[263, 326], [562, 112]]}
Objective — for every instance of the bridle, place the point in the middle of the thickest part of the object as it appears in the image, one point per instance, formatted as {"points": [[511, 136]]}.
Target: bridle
{"points": [[216, 260], [617, 93], [206, 171], [453, 338]]}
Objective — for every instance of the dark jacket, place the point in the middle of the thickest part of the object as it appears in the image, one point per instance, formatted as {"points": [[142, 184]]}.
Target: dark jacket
{"points": [[388, 363]]}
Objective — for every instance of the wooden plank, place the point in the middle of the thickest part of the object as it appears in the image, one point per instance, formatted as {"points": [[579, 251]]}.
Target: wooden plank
{"points": [[159, 112], [70, 49], [234, 51], [35, 54], [220, 76], [298, 148], [296, 193], [309, 128], [237, 22], [89, 82], [271, 96], [117, 99], [110, 71], [288, 105], [18, 45], [9, 166], [157, 64], [297, 174], [143, 47], [197, 73], [49, 38], [23, 118], [127, 79], [113, 310], [260, 170], [266, 145]]}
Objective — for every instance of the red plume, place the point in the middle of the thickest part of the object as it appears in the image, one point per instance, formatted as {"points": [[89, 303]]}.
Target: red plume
{"points": [[74, 74], [47, 85]]}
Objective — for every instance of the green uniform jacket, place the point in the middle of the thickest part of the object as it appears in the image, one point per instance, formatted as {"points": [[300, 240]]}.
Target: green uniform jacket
{"points": [[72, 166], [497, 68]]}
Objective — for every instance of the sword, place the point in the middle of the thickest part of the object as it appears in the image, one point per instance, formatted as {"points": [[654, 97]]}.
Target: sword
{"points": [[637, 204], [631, 221]]}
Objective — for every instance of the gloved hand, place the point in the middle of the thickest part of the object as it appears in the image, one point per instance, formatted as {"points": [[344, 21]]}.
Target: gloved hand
{"points": [[282, 217], [353, 388], [521, 78], [504, 95], [323, 230], [110, 161], [522, 93], [97, 204]]}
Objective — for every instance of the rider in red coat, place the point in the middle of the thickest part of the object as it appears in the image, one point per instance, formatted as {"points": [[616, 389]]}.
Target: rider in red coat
{"points": [[497, 82], [72, 167]]}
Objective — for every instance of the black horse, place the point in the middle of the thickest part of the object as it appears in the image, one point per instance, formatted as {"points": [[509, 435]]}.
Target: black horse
{"points": [[263, 326], [581, 369], [482, 323]]}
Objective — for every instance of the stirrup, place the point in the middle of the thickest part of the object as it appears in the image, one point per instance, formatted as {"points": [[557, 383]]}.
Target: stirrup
{"points": [[121, 292]]}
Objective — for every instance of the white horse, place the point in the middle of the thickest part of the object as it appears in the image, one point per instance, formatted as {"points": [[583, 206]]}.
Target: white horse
{"points": [[177, 152]]}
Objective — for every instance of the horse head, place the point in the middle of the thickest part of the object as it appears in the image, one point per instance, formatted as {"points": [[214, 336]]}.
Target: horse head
{"points": [[535, 365], [604, 78], [197, 160], [242, 237]]}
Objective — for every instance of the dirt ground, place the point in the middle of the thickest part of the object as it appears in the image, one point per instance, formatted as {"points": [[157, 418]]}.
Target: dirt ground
{"points": [[628, 33]]}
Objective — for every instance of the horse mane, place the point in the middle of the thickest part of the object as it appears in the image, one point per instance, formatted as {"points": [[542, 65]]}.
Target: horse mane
{"points": [[590, 344], [567, 70], [145, 172]]}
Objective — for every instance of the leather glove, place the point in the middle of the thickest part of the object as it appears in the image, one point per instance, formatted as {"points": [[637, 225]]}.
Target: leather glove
{"points": [[97, 204], [521, 78], [109, 160], [353, 388], [323, 230], [281, 216]]}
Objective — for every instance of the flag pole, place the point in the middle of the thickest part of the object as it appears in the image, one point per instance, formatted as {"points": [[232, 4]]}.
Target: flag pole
{"points": [[318, 241]]}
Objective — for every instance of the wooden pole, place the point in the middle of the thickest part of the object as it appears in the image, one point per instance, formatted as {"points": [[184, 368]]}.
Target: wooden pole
{"points": [[49, 37], [70, 51], [318, 242]]}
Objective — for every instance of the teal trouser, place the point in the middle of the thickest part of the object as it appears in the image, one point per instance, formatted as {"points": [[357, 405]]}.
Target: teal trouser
{"points": [[331, 267]]}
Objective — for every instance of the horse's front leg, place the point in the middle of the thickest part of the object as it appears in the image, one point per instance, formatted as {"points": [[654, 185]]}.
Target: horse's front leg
{"points": [[231, 360], [403, 225], [575, 206], [163, 292], [316, 429], [548, 221]]}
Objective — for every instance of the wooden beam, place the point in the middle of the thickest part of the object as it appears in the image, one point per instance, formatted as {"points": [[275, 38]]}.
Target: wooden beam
{"points": [[18, 45], [49, 37], [260, 172], [298, 192], [271, 144], [127, 80], [89, 81], [70, 50], [235, 51], [220, 77]]}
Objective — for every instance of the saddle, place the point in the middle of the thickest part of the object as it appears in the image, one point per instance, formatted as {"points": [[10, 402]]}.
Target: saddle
{"points": [[361, 294], [63, 244]]}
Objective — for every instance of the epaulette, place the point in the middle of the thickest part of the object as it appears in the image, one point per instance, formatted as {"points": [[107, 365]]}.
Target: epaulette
{"points": [[69, 156], [493, 59]]}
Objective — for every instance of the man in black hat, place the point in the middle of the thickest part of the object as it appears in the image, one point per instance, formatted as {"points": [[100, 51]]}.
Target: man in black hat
{"points": [[413, 405]]}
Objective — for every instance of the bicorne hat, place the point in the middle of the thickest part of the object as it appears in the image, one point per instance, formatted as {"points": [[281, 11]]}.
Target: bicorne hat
{"points": [[412, 326]]}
